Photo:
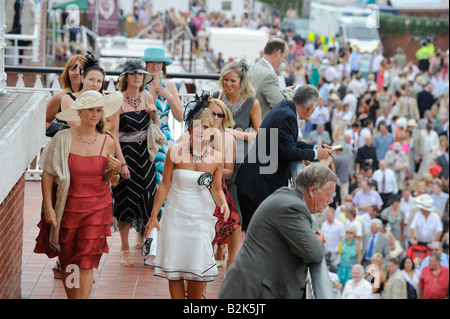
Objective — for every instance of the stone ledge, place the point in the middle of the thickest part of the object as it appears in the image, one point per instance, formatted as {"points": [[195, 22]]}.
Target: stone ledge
{"points": [[21, 139]]}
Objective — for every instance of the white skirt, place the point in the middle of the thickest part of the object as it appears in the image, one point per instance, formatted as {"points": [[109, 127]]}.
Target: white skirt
{"points": [[187, 229]]}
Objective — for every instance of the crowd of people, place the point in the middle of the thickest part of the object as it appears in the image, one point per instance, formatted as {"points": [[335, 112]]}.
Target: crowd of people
{"points": [[377, 127]]}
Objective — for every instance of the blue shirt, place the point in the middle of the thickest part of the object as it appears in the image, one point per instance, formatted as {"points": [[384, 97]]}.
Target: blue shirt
{"points": [[440, 201], [425, 262], [353, 60], [382, 144]]}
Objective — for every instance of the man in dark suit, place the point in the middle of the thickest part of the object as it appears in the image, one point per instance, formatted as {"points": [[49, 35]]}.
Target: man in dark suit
{"points": [[425, 99], [266, 166], [283, 240], [443, 162]]}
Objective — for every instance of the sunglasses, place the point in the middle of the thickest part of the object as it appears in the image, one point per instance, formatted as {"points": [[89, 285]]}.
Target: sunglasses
{"points": [[219, 115]]}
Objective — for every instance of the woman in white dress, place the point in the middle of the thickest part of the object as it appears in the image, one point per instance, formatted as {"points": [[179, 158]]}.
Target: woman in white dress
{"points": [[191, 187]]}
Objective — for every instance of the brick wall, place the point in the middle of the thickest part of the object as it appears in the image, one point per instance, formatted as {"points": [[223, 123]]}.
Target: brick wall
{"points": [[11, 228]]}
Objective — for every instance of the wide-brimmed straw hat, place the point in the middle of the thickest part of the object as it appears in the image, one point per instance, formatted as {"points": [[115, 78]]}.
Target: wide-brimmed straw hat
{"points": [[134, 66], [155, 55], [90, 99], [425, 202]]}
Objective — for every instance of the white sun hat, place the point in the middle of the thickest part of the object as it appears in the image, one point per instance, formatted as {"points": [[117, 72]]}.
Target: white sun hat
{"points": [[90, 99]]}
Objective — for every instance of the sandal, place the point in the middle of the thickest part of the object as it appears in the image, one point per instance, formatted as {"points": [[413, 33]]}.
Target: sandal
{"points": [[57, 271], [139, 241], [125, 261]]}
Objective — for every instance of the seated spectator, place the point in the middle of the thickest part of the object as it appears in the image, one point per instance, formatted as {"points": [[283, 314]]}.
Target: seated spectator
{"points": [[357, 287]]}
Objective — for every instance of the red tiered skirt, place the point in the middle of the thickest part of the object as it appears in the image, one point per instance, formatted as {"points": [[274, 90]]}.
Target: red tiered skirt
{"points": [[85, 224]]}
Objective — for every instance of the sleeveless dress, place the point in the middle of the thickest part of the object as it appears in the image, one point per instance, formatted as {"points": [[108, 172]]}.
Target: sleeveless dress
{"points": [[163, 107], [133, 198], [348, 259], [87, 215], [187, 228], [242, 122]]}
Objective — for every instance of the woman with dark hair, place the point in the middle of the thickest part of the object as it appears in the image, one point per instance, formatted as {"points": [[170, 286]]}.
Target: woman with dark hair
{"points": [[92, 78], [191, 187], [78, 168], [411, 275], [165, 95]]}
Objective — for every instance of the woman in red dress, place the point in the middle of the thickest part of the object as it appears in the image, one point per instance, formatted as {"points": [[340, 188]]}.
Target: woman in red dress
{"points": [[78, 168]]}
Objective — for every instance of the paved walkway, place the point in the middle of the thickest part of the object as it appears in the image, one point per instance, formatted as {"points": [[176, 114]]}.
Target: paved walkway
{"points": [[111, 280]]}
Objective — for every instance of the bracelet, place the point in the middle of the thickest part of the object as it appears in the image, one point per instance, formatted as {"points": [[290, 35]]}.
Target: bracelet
{"points": [[222, 203], [46, 210], [124, 164]]}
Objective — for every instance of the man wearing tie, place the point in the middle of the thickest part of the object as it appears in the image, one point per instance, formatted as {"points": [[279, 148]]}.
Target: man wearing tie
{"points": [[375, 242], [386, 182]]}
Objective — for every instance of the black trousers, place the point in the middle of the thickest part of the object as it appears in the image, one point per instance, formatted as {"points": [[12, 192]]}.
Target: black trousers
{"points": [[248, 208]]}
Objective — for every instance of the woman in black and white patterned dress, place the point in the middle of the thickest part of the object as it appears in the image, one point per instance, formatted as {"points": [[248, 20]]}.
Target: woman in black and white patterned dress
{"points": [[134, 194]]}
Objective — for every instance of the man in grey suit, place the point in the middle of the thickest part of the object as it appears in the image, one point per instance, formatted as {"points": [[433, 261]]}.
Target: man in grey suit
{"points": [[320, 136], [375, 242], [282, 239], [263, 75]]}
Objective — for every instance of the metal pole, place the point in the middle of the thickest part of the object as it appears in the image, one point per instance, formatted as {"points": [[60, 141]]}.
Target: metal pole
{"points": [[3, 75]]}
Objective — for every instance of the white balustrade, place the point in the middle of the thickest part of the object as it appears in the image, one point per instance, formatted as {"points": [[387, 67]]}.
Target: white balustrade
{"points": [[34, 172]]}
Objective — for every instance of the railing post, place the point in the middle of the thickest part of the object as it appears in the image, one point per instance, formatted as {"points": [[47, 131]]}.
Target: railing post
{"points": [[3, 75]]}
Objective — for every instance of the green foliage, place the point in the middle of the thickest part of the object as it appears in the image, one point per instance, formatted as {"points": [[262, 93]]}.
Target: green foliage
{"points": [[392, 24]]}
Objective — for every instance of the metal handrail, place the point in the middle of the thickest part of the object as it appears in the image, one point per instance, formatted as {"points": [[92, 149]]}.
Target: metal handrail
{"points": [[59, 70]]}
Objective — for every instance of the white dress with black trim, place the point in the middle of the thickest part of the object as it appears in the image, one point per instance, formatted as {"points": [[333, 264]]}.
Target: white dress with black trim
{"points": [[187, 229]]}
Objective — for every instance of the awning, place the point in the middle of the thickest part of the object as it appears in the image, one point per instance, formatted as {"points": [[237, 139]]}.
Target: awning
{"points": [[82, 4]]}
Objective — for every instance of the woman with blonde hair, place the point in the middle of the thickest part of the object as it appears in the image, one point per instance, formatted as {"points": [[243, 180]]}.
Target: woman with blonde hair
{"points": [[78, 168], [238, 95], [350, 250], [191, 187], [227, 233]]}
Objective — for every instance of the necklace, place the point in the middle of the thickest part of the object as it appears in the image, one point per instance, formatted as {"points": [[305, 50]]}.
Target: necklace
{"points": [[134, 102], [234, 108], [197, 158], [84, 141]]}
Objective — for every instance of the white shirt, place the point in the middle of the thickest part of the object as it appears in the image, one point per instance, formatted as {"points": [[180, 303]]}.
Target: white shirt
{"points": [[366, 221], [362, 136], [406, 206], [358, 226], [333, 233], [352, 101], [318, 118], [425, 230], [390, 185], [361, 290], [376, 62]]}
